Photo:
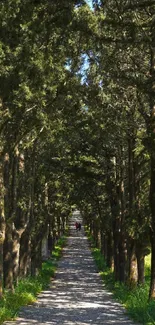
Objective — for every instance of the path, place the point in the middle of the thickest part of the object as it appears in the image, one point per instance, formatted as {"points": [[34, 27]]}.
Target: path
{"points": [[77, 295]]}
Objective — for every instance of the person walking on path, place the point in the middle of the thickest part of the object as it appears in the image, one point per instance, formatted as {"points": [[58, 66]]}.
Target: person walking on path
{"points": [[77, 295], [79, 226], [76, 225]]}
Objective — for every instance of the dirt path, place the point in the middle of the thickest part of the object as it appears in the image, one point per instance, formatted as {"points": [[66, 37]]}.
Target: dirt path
{"points": [[77, 295]]}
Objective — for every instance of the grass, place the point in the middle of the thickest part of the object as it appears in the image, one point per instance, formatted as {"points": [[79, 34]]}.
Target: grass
{"points": [[27, 290], [136, 300]]}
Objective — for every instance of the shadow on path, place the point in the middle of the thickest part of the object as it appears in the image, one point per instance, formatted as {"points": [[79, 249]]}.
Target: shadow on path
{"points": [[77, 295]]}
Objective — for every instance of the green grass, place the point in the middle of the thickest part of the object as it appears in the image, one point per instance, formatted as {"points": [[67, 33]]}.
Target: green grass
{"points": [[27, 290], [136, 300], [148, 267]]}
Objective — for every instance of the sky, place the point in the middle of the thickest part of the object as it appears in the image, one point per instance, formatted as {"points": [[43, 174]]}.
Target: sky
{"points": [[89, 2]]}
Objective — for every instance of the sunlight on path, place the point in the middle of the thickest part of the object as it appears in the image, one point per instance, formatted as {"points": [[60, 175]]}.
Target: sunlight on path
{"points": [[77, 295]]}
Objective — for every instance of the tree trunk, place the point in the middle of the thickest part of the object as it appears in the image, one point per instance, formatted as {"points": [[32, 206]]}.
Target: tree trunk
{"points": [[16, 253], [2, 225], [105, 248], [122, 259], [132, 266], [152, 207], [36, 259], [151, 130], [122, 243], [109, 257], [152, 283], [8, 261], [116, 251], [24, 256], [36, 246], [45, 251], [102, 241], [10, 179], [141, 268], [58, 225], [96, 231]]}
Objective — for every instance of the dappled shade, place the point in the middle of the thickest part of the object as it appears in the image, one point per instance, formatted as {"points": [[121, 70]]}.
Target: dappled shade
{"points": [[77, 294]]}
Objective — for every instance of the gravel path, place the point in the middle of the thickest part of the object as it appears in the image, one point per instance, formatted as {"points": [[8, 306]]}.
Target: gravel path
{"points": [[77, 295]]}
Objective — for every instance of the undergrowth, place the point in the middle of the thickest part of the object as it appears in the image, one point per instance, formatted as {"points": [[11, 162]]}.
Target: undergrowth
{"points": [[134, 300], [27, 290]]}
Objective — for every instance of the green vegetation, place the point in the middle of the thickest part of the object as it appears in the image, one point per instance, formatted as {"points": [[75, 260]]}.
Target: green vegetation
{"points": [[135, 300], [28, 289]]}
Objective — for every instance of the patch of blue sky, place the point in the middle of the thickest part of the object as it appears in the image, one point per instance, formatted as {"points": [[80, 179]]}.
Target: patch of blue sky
{"points": [[68, 64], [89, 2], [84, 67]]}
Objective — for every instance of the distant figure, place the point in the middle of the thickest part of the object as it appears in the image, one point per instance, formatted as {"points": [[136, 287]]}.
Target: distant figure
{"points": [[79, 226], [76, 225]]}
